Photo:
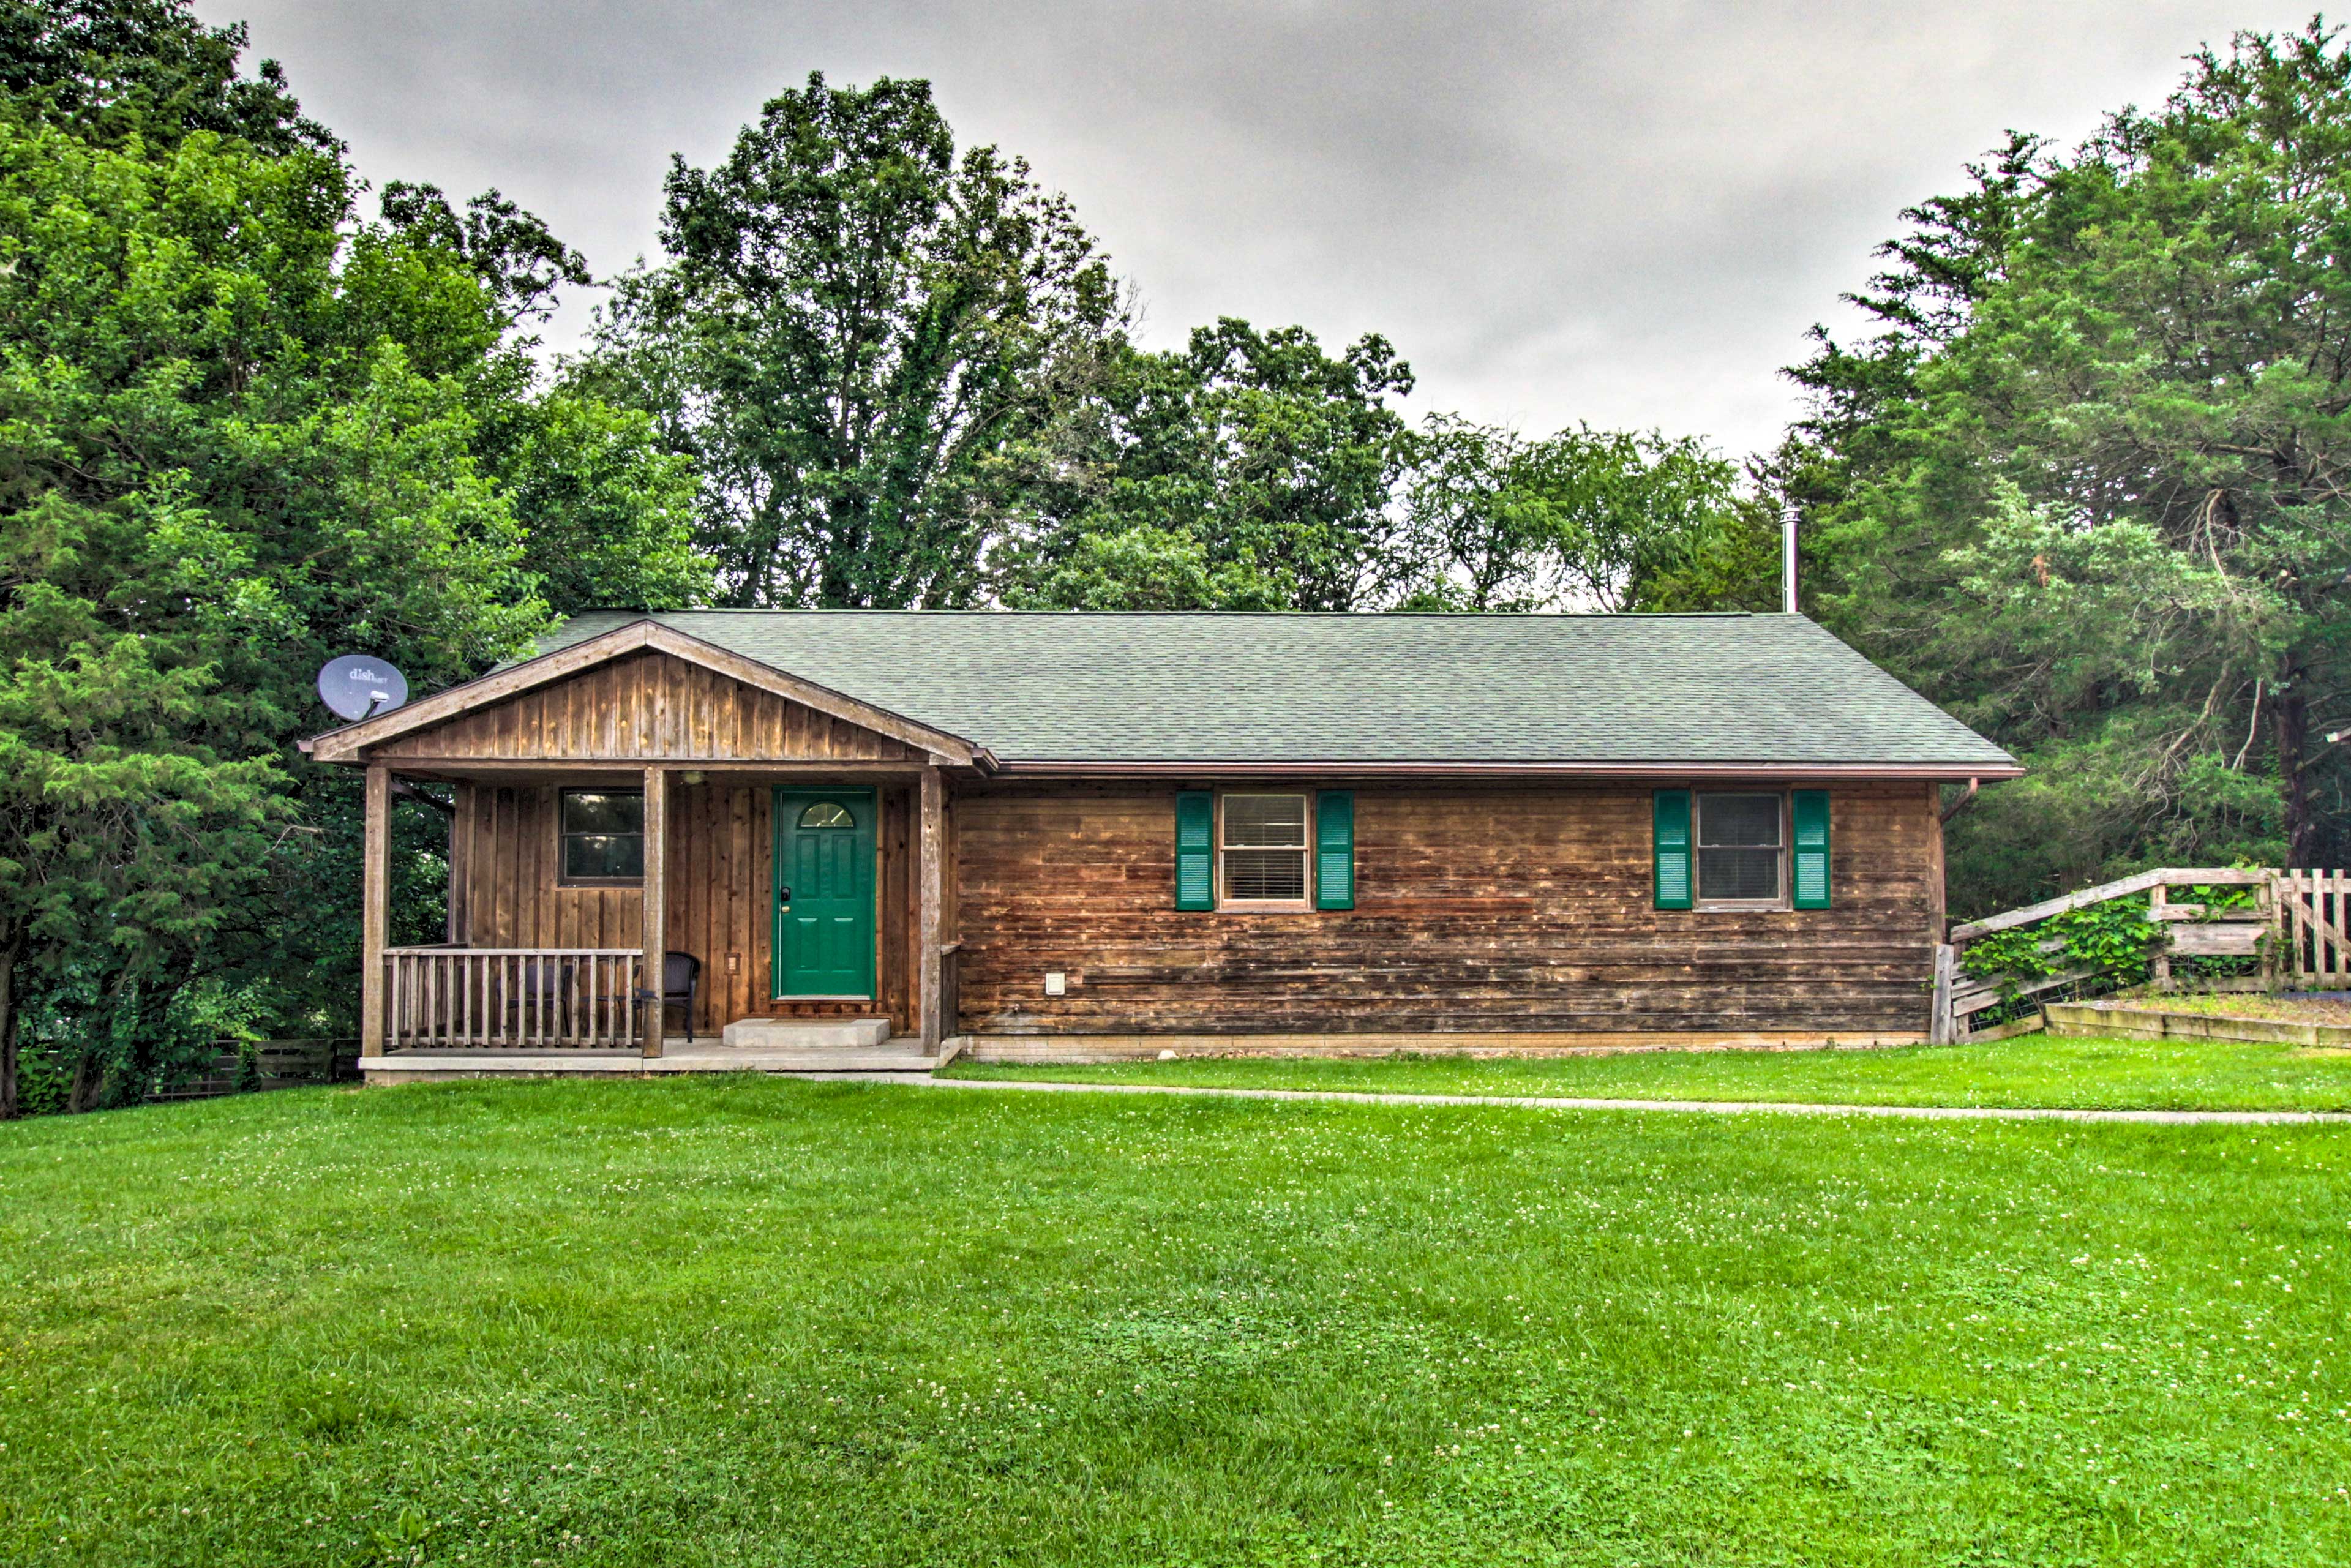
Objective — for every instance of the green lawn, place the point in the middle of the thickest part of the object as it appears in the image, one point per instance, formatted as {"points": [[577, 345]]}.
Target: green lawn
{"points": [[716, 1321], [2031, 1069]]}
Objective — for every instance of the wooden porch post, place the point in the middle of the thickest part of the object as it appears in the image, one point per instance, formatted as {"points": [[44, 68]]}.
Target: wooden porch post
{"points": [[933, 898], [375, 907], [656, 913]]}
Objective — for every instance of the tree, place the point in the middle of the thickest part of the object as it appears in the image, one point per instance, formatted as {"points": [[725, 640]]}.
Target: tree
{"points": [[240, 430], [510, 250], [609, 513], [107, 70], [1141, 568], [1598, 520], [1257, 468], [854, 321], [2085, 485]]}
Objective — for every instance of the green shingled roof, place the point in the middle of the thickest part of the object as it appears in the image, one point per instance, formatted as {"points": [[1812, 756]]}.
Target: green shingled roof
{"points": [[1276, 688]]}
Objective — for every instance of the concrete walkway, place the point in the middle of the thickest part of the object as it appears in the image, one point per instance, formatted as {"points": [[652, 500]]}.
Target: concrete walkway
{"points": [[1708, 1107]]}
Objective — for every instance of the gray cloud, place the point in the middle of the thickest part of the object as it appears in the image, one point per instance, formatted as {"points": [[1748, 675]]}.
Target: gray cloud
{"points": [[1621, 214]]}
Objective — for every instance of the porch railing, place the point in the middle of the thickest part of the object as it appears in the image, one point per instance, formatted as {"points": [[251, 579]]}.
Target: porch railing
{"points": [[512, 997]]}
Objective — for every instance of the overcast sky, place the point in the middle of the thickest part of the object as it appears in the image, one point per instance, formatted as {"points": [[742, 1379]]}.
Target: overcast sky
{"points": [[1625, 214]]}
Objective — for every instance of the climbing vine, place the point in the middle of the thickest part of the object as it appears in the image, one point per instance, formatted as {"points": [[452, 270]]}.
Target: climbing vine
{"points": [[2115, 938]]}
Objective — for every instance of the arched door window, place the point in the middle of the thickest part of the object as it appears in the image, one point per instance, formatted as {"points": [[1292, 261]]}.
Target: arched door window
{"points": [[827, 814]]}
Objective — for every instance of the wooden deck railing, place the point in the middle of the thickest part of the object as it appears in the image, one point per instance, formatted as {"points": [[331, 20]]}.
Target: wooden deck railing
{"points": [[2299, 927], [512, 997]]}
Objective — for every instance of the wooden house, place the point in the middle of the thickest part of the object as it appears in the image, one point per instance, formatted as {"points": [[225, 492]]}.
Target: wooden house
{"points": [[1097, 835]]}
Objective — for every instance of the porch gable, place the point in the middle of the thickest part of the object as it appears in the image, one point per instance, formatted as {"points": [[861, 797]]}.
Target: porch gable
{"points": [[646, 706], [641, 692]]}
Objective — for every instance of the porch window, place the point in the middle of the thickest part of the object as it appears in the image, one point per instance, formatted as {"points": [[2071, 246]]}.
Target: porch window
{"points": [[603, 835], [1263, 849], [1740, 845]]}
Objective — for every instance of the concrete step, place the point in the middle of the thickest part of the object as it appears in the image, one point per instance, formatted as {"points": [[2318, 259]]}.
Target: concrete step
{"points": [[806, 1034]]}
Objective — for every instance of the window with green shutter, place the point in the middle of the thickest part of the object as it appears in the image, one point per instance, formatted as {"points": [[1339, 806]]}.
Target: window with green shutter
{"points": [[1264, 846], [1741, 848], [1335, 850], [1195, 849], [1671, 848], [1810, 810]]}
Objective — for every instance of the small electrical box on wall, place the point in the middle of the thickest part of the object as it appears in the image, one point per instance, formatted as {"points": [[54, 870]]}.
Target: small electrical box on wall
{"points": [[1057, 984], [734, 962]]}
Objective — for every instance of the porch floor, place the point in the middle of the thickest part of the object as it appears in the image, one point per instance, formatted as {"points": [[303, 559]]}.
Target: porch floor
{"points": [[904, 1054]]}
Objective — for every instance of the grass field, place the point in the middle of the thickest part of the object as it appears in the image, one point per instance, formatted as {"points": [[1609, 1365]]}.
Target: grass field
{"points": [[2031, 1069], [719, 1321]]}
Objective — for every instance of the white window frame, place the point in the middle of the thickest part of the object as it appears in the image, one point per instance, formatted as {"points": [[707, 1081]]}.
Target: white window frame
{"points": [[1305, 854], [1779, 900]]}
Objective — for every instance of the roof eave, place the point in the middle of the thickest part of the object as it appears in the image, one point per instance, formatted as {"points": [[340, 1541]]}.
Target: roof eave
{"points": [[1957, 772]]}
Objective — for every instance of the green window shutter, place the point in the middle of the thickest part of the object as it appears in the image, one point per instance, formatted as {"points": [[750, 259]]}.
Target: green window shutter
{"points": [[1195, 849], [1671, 847], [1335, 850], [1812, 880]]}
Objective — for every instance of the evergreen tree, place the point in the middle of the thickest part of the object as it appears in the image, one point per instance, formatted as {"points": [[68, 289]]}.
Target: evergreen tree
{"points": [[2085, 485]]}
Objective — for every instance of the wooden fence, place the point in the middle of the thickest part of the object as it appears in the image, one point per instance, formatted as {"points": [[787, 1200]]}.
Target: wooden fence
{"points": [[2295, 926], [276, 1064], [512, 997], [2311, 931]]}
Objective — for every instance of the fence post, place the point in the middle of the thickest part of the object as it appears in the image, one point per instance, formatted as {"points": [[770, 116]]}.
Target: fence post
{"points": [[1940, 1027], [2270, 890]]}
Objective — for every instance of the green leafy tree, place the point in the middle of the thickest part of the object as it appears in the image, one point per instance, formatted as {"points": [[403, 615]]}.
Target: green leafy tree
{"points": [[1141, 568], [510, 250], [239, 432], [608, 510], [1257, 468], [2085, 484], [854, 322], [110, 71], [1591, 519], [202, 500]]}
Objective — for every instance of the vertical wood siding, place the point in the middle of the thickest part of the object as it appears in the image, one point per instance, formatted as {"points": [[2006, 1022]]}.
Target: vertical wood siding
{"points": [[1496, 908], [505, 893], [648, 706]]}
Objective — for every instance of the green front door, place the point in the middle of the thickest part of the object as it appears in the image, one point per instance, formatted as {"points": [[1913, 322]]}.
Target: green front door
{"points": [[824, 892]]}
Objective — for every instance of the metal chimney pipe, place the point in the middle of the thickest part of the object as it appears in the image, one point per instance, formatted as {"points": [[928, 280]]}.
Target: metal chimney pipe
{"points": [[1788, 561]]}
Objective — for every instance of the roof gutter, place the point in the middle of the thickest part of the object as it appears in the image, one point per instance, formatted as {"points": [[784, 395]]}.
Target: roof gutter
{"points": [[1935, 770]]}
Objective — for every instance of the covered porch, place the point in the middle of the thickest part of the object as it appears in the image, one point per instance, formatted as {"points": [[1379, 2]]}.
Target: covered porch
{"points": [[660, 858], [694, 942]]}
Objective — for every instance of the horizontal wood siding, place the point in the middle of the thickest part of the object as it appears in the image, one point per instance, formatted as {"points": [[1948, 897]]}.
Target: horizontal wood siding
{"points": [[505, 893], [1496, 908], [647, 706]]}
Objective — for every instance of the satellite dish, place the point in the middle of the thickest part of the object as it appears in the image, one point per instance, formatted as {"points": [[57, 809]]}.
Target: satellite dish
{"points": [[357, 687]]}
